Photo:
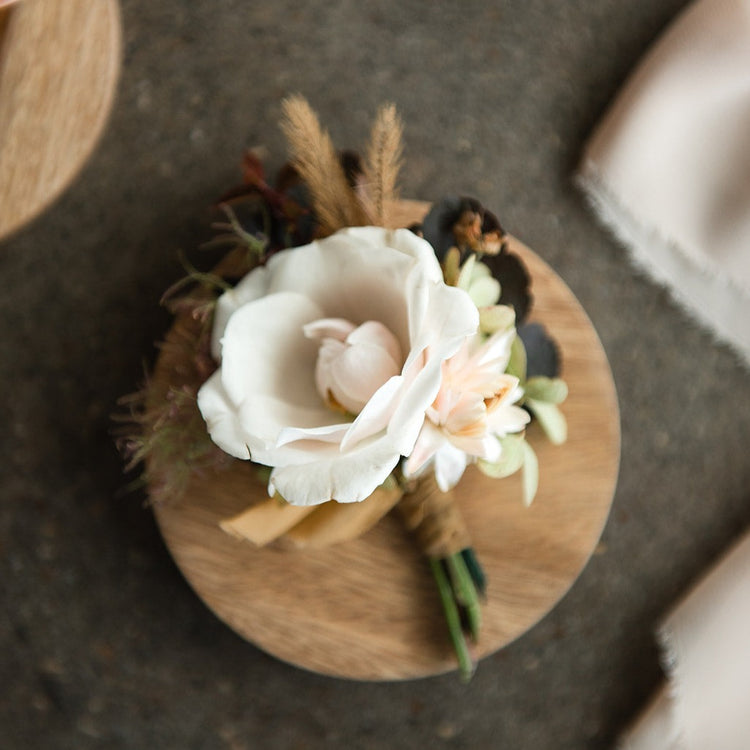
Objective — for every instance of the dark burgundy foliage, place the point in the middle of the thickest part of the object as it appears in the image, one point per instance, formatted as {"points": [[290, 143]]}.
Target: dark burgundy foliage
{"points": [[281, 215]]}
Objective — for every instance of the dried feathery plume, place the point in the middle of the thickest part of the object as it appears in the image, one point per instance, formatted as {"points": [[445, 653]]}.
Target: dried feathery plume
{"points": [[315, 158], [383, 162]]}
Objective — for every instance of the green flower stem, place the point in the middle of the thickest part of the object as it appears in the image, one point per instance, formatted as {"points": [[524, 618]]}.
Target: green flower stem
{"points": [[475, 570], [453, 619], [465, 593]]}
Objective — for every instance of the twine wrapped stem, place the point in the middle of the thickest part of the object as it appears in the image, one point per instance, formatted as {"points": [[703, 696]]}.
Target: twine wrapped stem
{"points": [[439, 529], [432, 516]]}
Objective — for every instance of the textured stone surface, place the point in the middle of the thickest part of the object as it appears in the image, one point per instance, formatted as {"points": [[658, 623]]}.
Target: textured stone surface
{"points": [[102, 644]]}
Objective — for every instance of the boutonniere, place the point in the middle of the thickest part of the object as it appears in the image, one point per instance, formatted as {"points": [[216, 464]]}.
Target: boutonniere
{"points": [[353, 362]]}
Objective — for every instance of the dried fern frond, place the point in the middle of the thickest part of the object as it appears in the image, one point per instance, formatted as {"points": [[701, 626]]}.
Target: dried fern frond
{"points": [[383, 162], [315, 158], [166, 434], [160, 426]]}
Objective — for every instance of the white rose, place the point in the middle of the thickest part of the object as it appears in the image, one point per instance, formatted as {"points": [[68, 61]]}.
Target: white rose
{"points": [[330, 356]]}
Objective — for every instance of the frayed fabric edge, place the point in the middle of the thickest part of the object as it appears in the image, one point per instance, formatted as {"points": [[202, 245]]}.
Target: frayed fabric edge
{"points": [[715, 301], [670, 663], [657, 726], [648, 731]]}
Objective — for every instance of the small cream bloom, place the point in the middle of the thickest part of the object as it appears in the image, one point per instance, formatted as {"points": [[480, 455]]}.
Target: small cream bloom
{"points": [[474, 407]]}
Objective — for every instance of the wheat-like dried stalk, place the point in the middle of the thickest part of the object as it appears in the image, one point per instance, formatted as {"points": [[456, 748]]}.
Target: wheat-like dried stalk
{"points": [[383, 162], [315, 158]]}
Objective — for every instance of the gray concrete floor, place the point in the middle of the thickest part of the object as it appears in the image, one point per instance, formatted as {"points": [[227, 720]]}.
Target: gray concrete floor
{"points": [[103, 644]]}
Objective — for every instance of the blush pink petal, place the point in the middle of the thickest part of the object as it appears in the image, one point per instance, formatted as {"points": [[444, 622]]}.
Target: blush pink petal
{"points": [[334, 328], [358, 372], [374, 332]]}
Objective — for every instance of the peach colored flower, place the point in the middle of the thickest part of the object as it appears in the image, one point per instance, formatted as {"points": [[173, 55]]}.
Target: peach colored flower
{"points": [[474, 408]]}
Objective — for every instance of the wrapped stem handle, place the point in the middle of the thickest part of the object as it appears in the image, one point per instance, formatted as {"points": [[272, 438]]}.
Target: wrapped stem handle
{"points": [[432, 516]]}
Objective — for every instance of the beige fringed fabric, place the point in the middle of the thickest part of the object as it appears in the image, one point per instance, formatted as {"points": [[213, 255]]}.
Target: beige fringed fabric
{"points": [[431, 515], [706, 702], [668, 168]]}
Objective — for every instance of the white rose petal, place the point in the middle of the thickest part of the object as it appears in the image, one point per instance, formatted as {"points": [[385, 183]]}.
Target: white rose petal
{"points": [[353, 361]]}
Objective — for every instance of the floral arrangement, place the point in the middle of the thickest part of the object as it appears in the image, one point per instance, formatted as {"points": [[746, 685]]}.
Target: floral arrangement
{"points": [[354, 363]]}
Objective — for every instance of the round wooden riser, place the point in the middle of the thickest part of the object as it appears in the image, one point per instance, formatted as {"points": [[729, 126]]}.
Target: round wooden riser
{"points": [[59, 62], [368, 609]]}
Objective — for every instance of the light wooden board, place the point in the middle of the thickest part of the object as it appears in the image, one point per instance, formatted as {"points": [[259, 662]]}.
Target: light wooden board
{"points": [[368, 609], [59, 62]]}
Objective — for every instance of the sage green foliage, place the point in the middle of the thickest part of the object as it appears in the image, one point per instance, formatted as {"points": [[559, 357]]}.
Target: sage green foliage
{"points": [[550, 419], [516, 454], [476, 279], [542, 396], [530, 474], [548, 390], [517, 364], [496, 318], [511, 458]]}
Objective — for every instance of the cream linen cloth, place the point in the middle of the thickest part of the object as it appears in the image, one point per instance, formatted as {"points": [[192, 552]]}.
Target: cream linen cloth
{"points": [[706, 703], [668, 168]]}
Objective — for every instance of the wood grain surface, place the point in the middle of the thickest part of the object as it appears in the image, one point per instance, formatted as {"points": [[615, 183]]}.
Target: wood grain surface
{"points": [[59, 63], [367, 609]]}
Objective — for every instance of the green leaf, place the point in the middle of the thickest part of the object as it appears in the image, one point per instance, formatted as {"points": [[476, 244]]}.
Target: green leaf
{"points": [[484, 291], [467, 273], [480, 270], [530, 474], [551, 420], [496, 318], [511, 458], [549, 390], [517, 364]]}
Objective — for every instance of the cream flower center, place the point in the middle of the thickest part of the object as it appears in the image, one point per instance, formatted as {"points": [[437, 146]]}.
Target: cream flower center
{"points": [[353, 361]]}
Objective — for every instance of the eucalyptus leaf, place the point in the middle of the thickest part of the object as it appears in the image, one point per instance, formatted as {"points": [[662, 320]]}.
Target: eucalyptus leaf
{"points": [[517, 363], [511, 458], [467, 273], [480, 271], [496, 318], [484, 291], [549, 390], [530, 474], [550, 418]]}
